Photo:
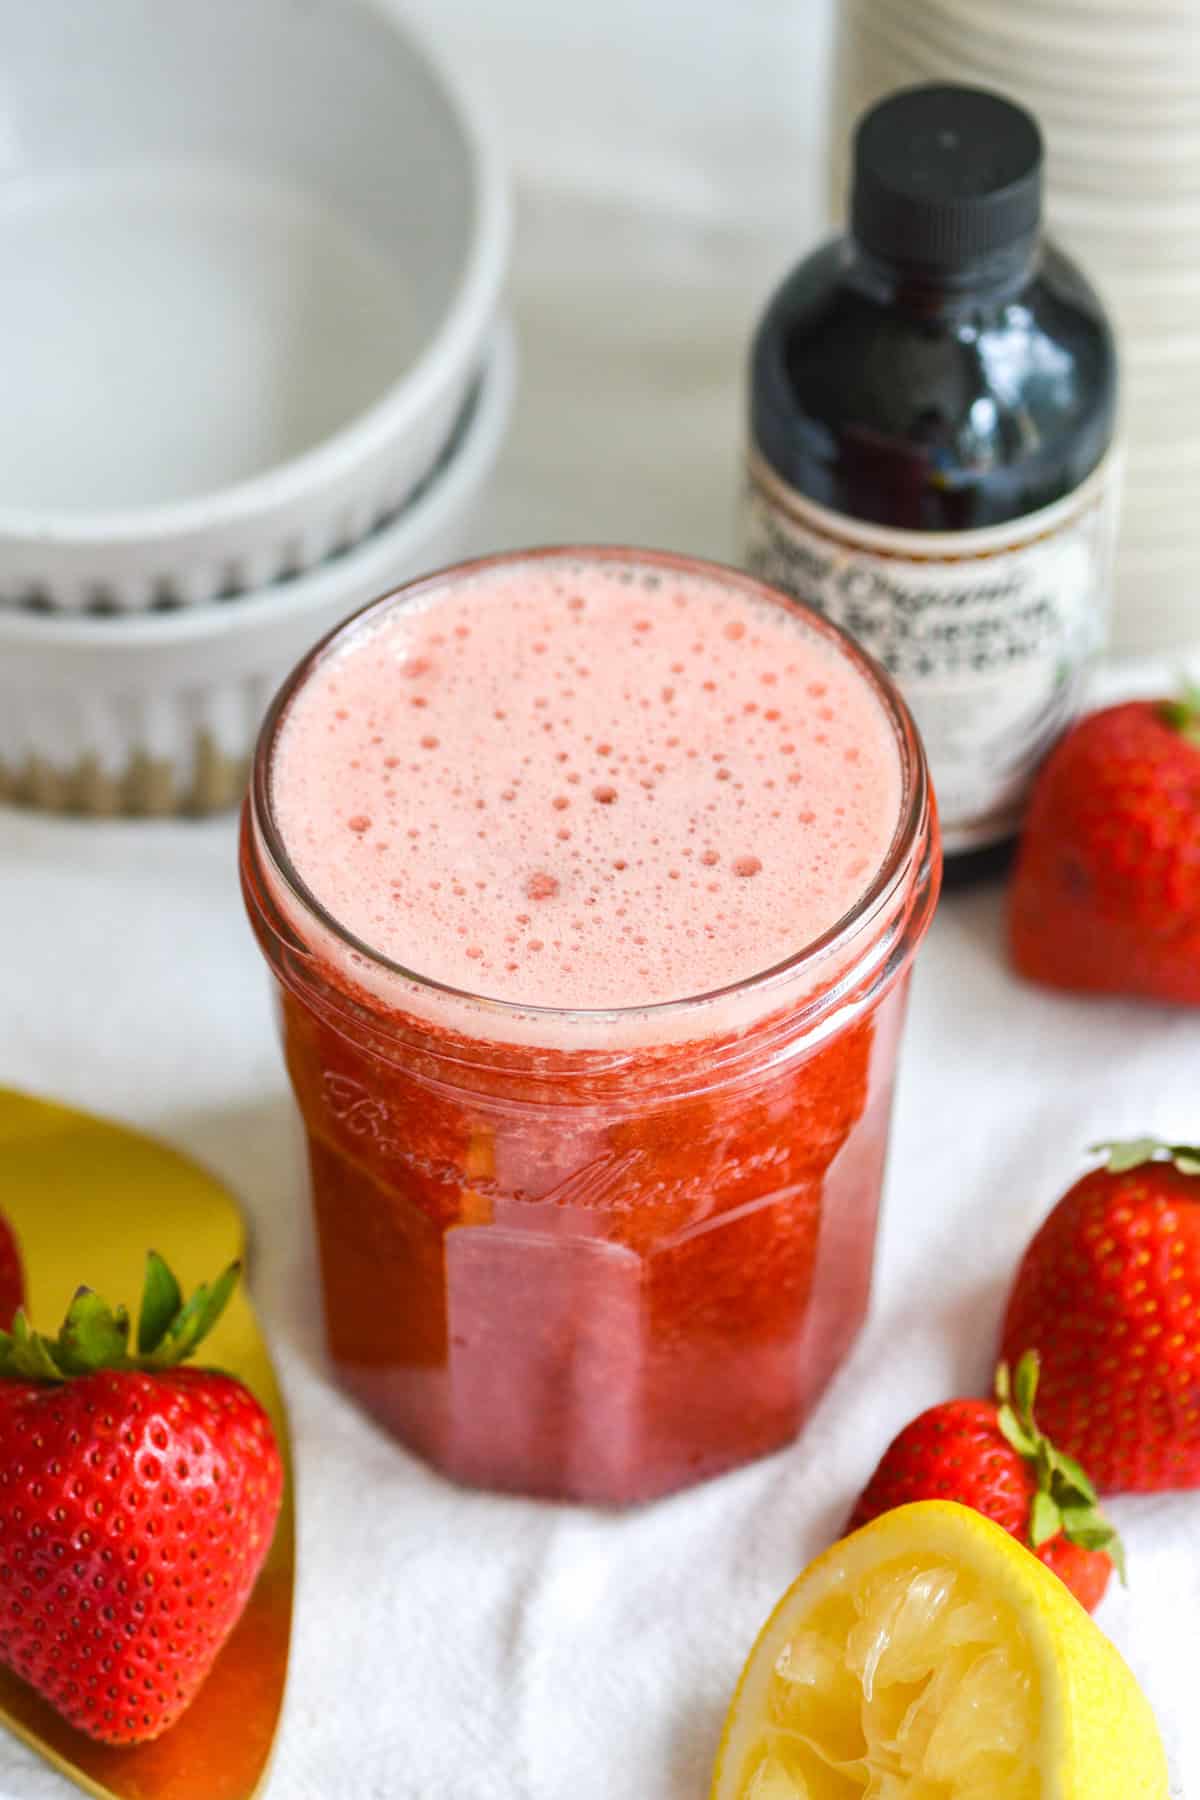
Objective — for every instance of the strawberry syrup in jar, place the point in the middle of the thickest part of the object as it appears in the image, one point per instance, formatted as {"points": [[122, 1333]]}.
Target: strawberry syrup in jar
{"points": [[591, 880]]}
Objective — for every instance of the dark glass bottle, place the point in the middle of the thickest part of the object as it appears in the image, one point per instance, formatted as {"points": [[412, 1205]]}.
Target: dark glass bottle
{"points": [[933, 402]]}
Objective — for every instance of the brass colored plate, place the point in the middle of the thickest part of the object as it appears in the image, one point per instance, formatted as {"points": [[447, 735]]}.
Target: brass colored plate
{"points": [[87, 1199]]}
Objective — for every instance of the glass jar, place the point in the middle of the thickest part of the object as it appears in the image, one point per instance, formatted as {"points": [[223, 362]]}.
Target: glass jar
{"points": [[595, 1255]]}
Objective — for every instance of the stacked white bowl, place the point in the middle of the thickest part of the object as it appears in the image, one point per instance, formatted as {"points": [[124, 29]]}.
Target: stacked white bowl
{"points": [[254, 365], [1115, 86]]}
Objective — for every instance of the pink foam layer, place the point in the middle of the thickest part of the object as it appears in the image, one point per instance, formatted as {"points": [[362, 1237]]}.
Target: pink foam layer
{"points": [[587, 785]]}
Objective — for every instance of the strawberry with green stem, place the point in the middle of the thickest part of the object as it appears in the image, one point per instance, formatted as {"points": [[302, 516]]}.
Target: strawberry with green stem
{"points": [[138, 1499], [1108, 1293], [992, 1455], [1106, 894]]}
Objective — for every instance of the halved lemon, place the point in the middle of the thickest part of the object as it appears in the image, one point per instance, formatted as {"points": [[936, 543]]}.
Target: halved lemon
{"points": [[930, 1657]]}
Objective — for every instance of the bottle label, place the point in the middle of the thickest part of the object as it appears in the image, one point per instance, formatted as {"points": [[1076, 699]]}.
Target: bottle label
{"points": [[988, 633]]}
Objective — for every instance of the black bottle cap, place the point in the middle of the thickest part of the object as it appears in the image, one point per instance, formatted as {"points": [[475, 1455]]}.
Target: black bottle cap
{"points": [[945, 177]]}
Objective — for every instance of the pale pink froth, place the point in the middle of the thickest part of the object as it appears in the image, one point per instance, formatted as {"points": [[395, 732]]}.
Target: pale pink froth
{"points": [[587, 786]]}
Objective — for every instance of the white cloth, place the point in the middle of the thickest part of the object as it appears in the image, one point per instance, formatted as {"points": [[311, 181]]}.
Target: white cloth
{"points": [[452, 1646]]}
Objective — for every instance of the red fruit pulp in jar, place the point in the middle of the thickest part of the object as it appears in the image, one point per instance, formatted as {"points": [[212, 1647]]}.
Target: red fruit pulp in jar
{"points": [[595, 1183]]}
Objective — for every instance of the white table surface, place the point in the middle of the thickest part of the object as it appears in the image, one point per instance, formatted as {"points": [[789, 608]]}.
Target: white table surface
{"points": [[459, 1647]]}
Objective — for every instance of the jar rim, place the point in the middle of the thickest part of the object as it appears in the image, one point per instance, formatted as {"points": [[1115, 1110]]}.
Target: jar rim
{"points": [[914, 825]]}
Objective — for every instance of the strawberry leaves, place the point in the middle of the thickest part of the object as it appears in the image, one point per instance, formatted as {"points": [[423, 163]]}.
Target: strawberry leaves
{"points": [[1132, 1153], [1065, 1500], [190, 1322], [95, 1335], [1183, 714], [26, 1355], [1045, 1519], [162, 1298]]}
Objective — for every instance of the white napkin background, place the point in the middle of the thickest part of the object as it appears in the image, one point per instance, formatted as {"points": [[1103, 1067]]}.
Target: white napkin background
{"points": [[452, 1646]]}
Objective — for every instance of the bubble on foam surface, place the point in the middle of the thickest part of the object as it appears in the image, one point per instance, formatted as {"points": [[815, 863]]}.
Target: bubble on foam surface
{"points": [[554, 740]]}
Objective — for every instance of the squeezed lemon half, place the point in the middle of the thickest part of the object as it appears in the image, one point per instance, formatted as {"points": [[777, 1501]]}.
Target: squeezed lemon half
{"points": [[930, 1657]]}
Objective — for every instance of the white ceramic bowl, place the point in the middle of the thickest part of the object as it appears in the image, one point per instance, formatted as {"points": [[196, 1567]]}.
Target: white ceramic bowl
{"points": [[158, 713], [252, 253]]}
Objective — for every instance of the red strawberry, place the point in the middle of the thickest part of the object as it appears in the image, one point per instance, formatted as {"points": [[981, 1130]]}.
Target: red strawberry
{"points": [[1108, 1293], [137, 1504], [12, 1277], [1106, 896], [991, 1455]]}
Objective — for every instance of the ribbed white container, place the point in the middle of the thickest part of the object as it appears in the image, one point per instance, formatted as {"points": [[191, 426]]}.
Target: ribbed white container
{"points": [[1116, 90], [158, 713]]}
